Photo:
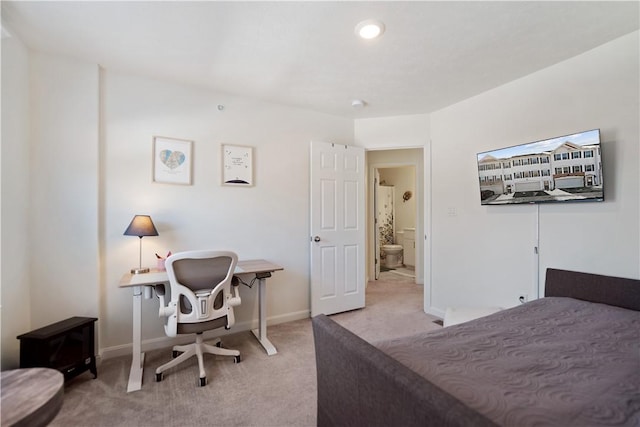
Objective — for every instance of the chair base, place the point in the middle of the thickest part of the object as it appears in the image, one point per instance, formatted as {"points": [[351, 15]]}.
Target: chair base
{"points": [[197, 349]]}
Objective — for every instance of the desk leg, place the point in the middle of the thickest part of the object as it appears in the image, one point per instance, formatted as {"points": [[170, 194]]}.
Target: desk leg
{"points": [[261, 332], [137, 359]]}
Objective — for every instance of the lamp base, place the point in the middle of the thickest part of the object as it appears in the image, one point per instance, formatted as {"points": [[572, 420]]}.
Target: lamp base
{"points": [[140, 270]]}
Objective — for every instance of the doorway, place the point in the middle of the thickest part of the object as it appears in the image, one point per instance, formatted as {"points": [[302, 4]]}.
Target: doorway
{"points": [[399, 172], [395, 217]]}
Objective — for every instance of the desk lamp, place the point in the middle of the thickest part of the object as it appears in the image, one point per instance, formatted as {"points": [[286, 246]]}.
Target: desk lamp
{"points": [[141, 225]]}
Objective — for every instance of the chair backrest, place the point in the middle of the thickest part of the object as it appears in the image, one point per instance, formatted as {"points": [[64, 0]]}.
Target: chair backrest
{"points": [[201, 297]]}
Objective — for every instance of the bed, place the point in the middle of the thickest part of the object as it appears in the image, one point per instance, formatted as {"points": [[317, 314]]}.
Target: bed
{"points": [[569, 359]]}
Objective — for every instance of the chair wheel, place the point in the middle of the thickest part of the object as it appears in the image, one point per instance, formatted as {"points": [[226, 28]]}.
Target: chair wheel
{"points": [[237, 359], [202, 382], [175, 354], [159, 377]]}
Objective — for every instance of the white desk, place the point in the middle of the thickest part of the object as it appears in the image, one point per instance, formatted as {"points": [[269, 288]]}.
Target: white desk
{"points": [[156, 277]]}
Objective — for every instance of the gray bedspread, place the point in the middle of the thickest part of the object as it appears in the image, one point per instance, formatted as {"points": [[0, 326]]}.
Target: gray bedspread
{"points": [[551, 362]]}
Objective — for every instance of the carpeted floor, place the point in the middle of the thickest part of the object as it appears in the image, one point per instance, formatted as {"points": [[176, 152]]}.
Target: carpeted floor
{"points": [[262, 390]]}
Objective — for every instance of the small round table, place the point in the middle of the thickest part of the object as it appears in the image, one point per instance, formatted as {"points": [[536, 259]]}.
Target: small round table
{"points": [[31, 397]]}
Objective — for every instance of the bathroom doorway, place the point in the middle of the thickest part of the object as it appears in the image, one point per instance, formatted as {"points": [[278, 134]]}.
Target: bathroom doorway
{"points": [[395, 214]]}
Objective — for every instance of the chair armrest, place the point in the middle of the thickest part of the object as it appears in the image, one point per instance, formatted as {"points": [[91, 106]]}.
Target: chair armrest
{"points": [[235, 300], [164, 310]]}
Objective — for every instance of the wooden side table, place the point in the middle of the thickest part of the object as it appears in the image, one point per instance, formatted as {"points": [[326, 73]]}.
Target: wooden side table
{"points": [[31, 397]]}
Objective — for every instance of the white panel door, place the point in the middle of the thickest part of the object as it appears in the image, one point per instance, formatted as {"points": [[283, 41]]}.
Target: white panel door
{"points": [[376, 227], [337, 228]]}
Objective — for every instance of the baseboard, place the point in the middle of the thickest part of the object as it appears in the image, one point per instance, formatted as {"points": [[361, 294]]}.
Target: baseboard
{"points": [[435, 312], [164, 342], [284, 318]]}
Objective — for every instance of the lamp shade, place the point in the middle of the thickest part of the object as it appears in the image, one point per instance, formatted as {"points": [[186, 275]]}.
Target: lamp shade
{"points": [[141, 225]]}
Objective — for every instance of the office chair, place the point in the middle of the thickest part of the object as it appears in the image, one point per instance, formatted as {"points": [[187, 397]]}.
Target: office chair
{"points": [[201, 299]]}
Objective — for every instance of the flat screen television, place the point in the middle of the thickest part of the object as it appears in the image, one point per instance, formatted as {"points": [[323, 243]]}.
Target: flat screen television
{"points": [[561, 169]]}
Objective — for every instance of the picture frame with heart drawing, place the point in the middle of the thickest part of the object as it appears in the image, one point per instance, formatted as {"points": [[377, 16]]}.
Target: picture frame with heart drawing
{"points": [[172, 160]]}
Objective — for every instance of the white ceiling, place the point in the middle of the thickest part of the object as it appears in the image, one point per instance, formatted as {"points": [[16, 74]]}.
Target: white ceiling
{"points": [[305, 54]]}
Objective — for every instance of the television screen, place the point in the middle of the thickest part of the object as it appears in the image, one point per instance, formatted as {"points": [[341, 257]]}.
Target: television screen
{"points": [[561, 169]]}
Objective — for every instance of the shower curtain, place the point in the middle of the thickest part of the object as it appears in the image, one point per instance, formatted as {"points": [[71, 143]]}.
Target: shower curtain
{"points": [[385, 215]]}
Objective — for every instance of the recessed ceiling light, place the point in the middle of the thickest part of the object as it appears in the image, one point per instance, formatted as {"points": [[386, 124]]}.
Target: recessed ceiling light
{"points": [[370, 29]]}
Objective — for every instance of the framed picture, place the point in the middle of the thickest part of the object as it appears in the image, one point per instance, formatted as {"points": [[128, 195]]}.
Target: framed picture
{"points": [[237, 165], [172, 160]]}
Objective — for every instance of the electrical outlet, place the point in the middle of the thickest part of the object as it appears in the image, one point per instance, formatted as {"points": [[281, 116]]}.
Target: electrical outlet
{"points": [[522, 298]]}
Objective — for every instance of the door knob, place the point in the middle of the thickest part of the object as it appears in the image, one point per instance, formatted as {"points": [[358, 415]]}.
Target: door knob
{"points": [[316, 239]]}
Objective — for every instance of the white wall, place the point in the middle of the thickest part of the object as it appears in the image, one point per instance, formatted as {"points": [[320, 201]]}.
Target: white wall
{"points": [[63, 203], [392, 132], [483, 255], [49, 190], [14, 227], [269, 220]]}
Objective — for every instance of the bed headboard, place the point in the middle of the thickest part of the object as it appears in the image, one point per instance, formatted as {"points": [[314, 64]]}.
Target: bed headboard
{"points": [[609, 290]]}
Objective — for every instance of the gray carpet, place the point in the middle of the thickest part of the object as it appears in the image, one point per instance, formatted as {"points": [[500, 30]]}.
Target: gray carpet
{"points": [[262, 390]]}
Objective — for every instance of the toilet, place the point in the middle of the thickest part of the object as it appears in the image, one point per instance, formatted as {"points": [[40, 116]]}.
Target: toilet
{"points": [[393, 258]]}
